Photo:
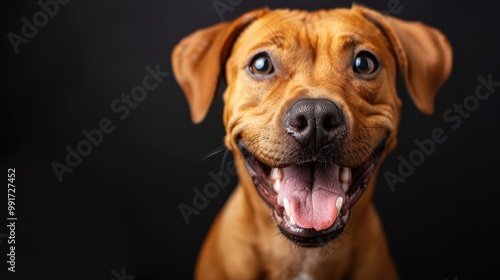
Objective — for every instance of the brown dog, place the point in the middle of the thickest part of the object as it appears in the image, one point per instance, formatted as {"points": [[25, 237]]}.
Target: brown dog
{"points": [[310, 111]]}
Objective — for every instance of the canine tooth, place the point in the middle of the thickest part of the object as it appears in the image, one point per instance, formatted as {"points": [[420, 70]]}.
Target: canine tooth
{"points": [[345, 178], [288, 211], [292, 221], [345, 174], [340, 200], [344, 186], [277, 173], [286, 204], [277, 185]]}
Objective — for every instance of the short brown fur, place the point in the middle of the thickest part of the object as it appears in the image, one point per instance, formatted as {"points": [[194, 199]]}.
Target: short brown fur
{"points": [[313, 56]]}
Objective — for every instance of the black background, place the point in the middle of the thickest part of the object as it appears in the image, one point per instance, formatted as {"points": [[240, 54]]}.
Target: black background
{"points": [[119, 207]]}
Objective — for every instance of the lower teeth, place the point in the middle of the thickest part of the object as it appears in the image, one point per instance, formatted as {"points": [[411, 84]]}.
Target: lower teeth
{"points": [[277, 185]]}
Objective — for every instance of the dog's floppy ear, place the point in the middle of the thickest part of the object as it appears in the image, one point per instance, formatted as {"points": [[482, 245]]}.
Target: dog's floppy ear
{"points": [[423, 53], [198, 61]]}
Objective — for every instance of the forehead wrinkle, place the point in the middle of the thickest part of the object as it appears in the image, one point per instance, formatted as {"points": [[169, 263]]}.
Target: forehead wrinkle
{"points": [[275, 32], [349, 41], [278, 27], [323, 35], [274, 36], [311, 36]]}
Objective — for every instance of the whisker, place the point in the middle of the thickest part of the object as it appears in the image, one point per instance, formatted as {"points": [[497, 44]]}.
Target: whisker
{"points": [[223, 162], [366, 127], [212, 153]]}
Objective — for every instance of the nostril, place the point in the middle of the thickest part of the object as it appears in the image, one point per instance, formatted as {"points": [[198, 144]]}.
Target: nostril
{"points": [[313, 122], [299, 123], [329, 122]]}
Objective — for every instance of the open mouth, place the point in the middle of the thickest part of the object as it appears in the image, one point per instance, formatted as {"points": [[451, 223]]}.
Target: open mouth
{"points": [[311, 201]]}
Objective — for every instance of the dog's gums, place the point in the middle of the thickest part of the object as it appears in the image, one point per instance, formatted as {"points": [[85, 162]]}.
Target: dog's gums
{"points": [[311, 201]]}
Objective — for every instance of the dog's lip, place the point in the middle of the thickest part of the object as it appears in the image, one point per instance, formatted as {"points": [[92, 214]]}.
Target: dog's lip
{"points": [[309, 237]]}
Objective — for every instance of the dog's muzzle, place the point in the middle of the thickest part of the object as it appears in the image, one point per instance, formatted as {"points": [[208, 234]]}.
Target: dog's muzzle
{"points": [[311, 198]]}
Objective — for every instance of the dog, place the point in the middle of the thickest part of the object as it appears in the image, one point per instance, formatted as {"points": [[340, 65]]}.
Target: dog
{"points": [[310, 112]]}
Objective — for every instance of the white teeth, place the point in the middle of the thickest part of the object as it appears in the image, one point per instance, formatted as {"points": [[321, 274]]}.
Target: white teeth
{"points": [[345, 174], [340, 200], [288, 211], [292, 221], [344, 186], [277, 174], [286, 204], [276, 177], [345, 178], [277, 185]]}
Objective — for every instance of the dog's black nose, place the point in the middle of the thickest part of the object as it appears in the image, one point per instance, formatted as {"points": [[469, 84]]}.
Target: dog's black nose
{"points": [[314, 122]]}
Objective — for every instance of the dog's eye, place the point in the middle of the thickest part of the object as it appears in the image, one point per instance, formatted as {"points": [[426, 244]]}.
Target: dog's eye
{"points": [[365, 63], [261, 65]]}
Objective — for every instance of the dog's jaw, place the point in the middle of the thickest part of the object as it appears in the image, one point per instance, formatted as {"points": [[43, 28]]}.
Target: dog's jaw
{"points": [[311, 201]]}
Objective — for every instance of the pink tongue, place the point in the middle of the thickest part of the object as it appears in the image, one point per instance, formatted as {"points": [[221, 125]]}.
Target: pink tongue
{"points": [[312, 192]]}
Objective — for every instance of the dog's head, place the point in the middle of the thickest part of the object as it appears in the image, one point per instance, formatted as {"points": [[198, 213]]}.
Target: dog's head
{"points": [[311, 105]]}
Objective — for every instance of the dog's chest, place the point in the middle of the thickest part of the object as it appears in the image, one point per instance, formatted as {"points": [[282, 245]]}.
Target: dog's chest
{"points": [[301, 264], [304, 276]]}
